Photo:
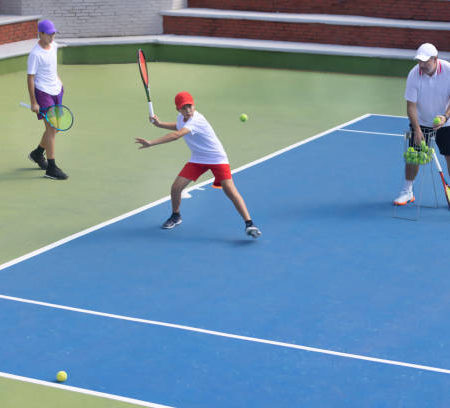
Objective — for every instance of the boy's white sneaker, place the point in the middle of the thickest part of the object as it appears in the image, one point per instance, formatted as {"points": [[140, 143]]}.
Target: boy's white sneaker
{"points": [[405, 197]]}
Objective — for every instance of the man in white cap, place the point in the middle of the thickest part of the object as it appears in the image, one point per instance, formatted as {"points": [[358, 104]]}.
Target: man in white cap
{"points": [[427, 96]]}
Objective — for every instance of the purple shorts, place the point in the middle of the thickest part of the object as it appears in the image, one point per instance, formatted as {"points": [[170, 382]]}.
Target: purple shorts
{"points": [[46, 100]]}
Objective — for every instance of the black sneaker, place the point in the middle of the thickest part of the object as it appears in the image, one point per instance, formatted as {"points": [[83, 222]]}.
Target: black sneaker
{"points": [[39, 159], [173, 221], [56, 173], [253, 231]]}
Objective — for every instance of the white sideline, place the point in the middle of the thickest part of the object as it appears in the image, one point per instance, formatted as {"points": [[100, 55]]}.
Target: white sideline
{"points": [[229, 335]]}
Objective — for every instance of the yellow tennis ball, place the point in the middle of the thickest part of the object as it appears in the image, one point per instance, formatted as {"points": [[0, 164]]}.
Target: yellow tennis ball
{"points": [[437, 120], [243, 117], [61, 376]]}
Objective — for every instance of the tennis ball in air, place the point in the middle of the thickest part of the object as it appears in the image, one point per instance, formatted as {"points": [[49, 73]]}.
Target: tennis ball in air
{"points": [[243, 117], [437, 120], [61, 376]]}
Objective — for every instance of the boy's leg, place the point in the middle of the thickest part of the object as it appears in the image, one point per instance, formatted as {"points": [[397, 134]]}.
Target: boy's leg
{"points": [[175, 194], [178, 186], [48, 141], [233, 194]]}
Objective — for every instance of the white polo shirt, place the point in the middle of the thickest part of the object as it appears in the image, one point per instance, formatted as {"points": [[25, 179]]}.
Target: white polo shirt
{"points": [[43, 65], [203, 142], [430, 93]]}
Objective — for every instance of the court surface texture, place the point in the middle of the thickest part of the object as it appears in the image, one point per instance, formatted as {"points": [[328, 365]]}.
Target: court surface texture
{"points": [[337, 304]]}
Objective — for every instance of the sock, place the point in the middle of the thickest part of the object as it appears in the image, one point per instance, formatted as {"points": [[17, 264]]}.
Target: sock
{"points": [[40, 149], [248, 223], [176, 214], [408, 185], [51, 163]]}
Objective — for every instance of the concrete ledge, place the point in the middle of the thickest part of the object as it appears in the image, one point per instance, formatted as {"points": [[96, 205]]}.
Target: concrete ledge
{"points": [[24, 47], [261, 45], [12, 19], [308, 18], [221, 51]]}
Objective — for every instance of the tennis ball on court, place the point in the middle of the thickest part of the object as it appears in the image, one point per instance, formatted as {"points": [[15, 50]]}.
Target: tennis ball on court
{"points": [[437, 120], [243, 117], [61, 376]]}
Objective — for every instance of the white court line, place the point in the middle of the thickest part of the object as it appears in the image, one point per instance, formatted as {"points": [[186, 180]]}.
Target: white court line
{"points": [[83, 391], [229, 335], [371, 133], [167, 198]]}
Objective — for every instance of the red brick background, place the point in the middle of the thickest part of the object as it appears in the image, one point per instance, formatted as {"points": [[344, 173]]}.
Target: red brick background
{"points": [[432, 10], [26, 30], [298, 32]]}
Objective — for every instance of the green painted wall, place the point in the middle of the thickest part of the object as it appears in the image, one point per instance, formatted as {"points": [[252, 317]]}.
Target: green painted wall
{"points": [[125, 53]]}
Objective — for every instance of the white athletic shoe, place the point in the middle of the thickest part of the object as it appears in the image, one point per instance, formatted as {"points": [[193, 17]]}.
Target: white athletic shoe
{"points": [[253, 231], [405, 197]]}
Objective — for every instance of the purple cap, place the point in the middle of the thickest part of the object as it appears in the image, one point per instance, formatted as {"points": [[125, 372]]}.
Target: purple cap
{"points": [[47, 27]]}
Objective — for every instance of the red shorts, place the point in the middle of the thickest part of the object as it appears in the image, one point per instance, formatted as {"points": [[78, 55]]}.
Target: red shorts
{"points": [[192, 171]]}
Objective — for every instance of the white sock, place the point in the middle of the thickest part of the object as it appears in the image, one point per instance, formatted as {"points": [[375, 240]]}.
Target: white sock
{"points": [[408, 185]]}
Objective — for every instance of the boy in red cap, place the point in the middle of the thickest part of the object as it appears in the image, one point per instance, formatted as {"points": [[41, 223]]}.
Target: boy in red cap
{"points": [[207, 154]]}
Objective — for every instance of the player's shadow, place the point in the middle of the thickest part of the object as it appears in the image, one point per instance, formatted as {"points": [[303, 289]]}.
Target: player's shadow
{"points": [[184, 235], [22, 173], [364, 211]]}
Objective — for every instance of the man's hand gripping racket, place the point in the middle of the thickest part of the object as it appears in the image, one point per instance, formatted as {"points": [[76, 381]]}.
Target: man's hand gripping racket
{"points": [[142, 64]]}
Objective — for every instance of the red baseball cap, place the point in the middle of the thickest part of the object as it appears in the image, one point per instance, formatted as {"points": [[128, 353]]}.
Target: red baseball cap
{"points": [[183, 98]]}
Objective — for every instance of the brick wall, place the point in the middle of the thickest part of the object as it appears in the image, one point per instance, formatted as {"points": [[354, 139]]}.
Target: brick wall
{"points": [[18, 31], [317, 33], [433, 10], [97, 18]]}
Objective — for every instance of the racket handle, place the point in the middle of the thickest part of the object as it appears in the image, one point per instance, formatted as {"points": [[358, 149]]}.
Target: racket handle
{"points": [[25, 105], [150, 109]]}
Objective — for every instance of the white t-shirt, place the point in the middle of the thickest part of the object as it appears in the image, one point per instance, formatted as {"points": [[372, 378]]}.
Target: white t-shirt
{"points": [[202, 140], [431, 94], [43, 65]]}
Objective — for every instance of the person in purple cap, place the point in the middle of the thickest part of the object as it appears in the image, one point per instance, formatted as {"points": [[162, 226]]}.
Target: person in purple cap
{"points": [[45, 89]]}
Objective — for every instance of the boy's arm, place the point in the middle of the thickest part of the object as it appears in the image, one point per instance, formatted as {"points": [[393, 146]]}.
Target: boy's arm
{"points": [[163, 125], [170, 137], [31, 88]]}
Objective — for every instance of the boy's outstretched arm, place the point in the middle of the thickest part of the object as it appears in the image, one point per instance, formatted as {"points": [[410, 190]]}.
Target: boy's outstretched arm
{"points": [[163, 125], [170, 137]]}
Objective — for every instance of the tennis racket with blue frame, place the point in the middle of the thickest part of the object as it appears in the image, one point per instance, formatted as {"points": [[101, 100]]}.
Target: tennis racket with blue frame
{"points": [[57, 116]]}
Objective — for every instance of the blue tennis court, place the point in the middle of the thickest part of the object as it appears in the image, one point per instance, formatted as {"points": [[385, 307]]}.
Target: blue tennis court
{"points": [[338, 303]]}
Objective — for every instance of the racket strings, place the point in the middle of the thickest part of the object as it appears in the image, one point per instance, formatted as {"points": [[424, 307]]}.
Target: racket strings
{"points": [[59, 117], [143, 68]]}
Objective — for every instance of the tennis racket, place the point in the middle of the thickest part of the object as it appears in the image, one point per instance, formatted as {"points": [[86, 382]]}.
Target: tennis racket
{"points": [[57, 116], [444, 183], [142, 64]]}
